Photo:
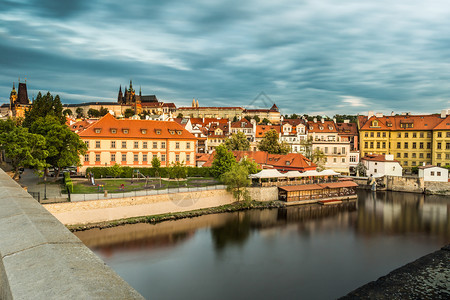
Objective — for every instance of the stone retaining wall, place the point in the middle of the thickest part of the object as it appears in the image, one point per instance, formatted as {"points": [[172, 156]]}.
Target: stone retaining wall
{"points": [[264, 193], [437, 188], [41, 259]]}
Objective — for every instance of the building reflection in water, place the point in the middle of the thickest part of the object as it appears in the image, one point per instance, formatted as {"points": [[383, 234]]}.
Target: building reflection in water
{"points": [[381, 213]]}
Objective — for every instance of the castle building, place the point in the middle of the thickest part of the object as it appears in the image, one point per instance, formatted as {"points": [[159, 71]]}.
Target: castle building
{"points": [[18, 100]]}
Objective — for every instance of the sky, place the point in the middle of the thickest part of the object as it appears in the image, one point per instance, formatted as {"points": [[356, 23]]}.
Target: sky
{"points": [[314, 57]]}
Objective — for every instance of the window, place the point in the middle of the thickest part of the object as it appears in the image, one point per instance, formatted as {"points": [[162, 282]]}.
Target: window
{"points": [[163, 145], [113, 130], [447, 156], [378, 134], [136, 157], [438, 173], [420, 155], [87, 143], [414, 145], [384, 145], [125, 131], [432, 173], [124, 144], [405, 155], [113, 157], [155, 156], [371, 145], [421, 134], [144, 145], [438, 156], [366, 144], [378, 145], [421, 145], [447, 134], [188, 145], [326, 150], [136, 145], [343, 160], [428, 134], [399, 135], [86, 157], [97, 157], [124, 157], [414, 135], [371, 134], [413, 155], [366, 134], [143, 131], [177, 145], [428, 145], [384, 134], [188, 157], [155, 145], [97, 130], [399, 145], [439, 134], [343, 150], [144, 157], [97, 144], [413, 163], [406, 134], [406, 145], [113, 144], [352, 159], [405, 163], [163, 157], [428, 155], [334, 159], [399, 155], [177, 157], [447, 146], [439, 145], [375, 170]]}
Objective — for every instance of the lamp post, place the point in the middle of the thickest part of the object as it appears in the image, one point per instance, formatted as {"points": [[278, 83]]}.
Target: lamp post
{"points": [[45, 187]]}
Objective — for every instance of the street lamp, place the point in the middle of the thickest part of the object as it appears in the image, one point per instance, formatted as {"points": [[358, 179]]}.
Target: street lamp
{"points": [[45, 187]]}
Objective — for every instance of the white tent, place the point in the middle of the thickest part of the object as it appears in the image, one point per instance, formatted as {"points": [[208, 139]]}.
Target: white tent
{"points": [[310, 173], [292, 174], [268, 173], [329, 172]]}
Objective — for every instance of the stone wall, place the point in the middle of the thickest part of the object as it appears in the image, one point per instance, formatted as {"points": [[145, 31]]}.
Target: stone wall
{"points": [[41, 259], [437, 188], [95, 211], [264, 193], [404, 184]]}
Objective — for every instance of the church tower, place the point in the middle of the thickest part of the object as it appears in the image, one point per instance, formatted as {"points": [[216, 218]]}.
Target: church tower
{"points": [[13, 96], [120, 96]]}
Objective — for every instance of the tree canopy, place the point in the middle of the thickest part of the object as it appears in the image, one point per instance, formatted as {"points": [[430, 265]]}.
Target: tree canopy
{"points": [[237, 141], [128, 113], [270, 143], [223, 161], [236, 180], [42, 107]]}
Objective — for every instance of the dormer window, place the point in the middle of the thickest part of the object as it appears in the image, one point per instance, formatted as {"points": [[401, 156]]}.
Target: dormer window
{"points": [[330, 127], [144, 131], [321, 127], [97, 130], [113, 130], [179, 132], [288, 163], [310, 128], [158, 131], [172, 131], [125, 131]]}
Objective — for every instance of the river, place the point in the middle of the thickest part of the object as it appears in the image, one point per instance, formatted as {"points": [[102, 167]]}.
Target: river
{"points": [[301, 252]]}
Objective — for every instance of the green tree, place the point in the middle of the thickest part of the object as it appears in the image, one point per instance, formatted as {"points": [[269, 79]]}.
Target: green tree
{"points": [[43, 106], [223, 161], [236, 180], [251, 166], [235, 119], [156, 163], [116, 170], [307, 145], [177, 170], [237, 141], [93, 113], [257, 119], [24, 149], [67, 112], [80, 113], [361, 169], [103, 111], [271, 144], [265, 121], [64, 146], [128, 113], [319, 158], [180, 115]]}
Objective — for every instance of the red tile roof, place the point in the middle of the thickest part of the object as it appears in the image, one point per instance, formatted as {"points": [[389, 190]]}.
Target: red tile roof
{"points": [[212, 107], [444, 125], [136, 129], [347, 128], [377, 157], [262, 129], [319, 127], [244, 123], [419, 122]]}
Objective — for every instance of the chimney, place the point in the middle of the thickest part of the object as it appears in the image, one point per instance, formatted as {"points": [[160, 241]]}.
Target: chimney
{"points": [[370, 114], [322, 120], [315, 120], [392, 113], [444, 113], [346, 121], [389, 156], [334, 120], [379, 115]]}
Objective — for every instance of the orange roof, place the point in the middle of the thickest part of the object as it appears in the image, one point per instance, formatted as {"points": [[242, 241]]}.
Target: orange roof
{"points": [[419, 122], [244, 123], [376, 157], [347, 128], [136, 129], [319, 127], [210, 107], [262, 129], [206, 121], [444, 125], [290, 161]]}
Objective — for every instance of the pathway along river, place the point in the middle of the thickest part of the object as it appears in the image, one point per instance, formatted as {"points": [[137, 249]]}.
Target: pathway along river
{"points": [[308, 252]]}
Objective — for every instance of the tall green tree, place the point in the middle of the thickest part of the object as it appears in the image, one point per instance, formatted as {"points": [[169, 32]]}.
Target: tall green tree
{"points": [[128, 113], [93, 113], [156, 163], [251, 166], [103, 111], [24, 149], [42, 107], [237, 141], [307, 145], [223, 161], [236, 180], [67, 112], [64, 146], [319, 158], [80, 113], [270, 143]]}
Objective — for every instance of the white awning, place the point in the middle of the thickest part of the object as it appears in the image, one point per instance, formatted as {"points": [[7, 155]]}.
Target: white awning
{"points": [[293, 174], [329, 172], [268, 173], [310, 173]]}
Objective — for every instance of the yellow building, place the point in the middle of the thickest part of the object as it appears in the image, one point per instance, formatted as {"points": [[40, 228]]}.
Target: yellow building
{"points": [[134, 143], [412, 139], [441, 148]]}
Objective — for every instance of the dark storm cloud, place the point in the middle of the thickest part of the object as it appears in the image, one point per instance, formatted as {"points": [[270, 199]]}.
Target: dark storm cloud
{"points": [[308, 56]]}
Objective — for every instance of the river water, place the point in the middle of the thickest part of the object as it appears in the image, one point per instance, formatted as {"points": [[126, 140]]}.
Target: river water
{"points": [[301, 252]]}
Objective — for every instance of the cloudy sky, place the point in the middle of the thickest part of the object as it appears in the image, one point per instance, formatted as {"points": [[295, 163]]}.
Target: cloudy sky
{"points": [[312, 56]]}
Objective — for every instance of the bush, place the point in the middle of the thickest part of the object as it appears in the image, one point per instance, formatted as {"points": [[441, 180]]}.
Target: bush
{"points": [[127, 172]]}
